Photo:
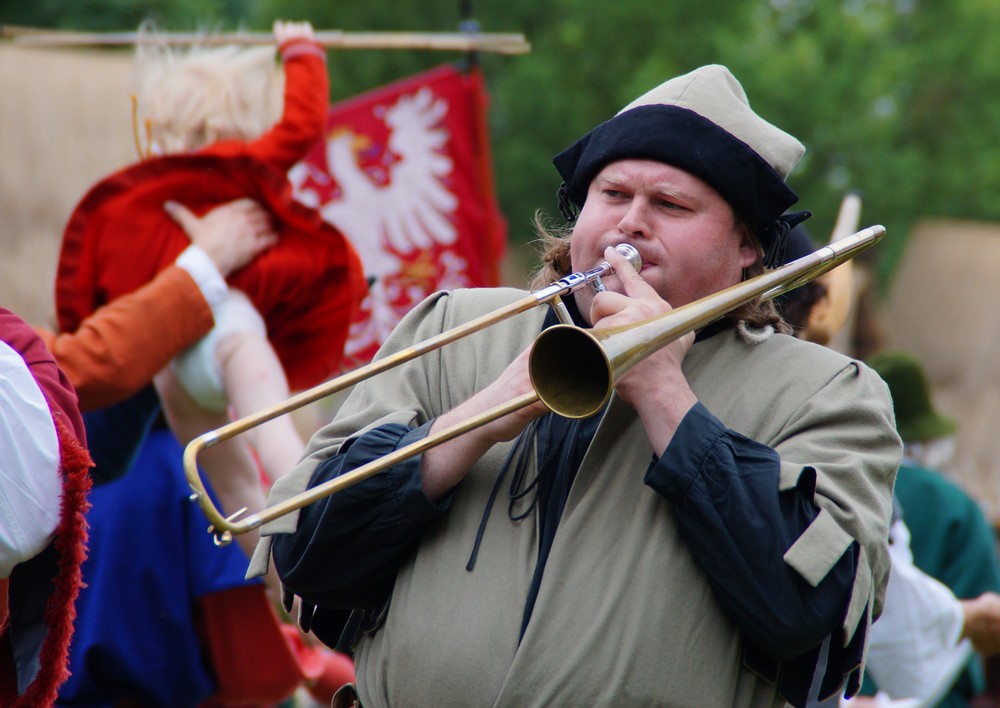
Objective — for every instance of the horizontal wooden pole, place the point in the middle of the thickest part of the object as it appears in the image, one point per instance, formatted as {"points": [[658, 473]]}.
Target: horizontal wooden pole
{"points": [[332, 39]]}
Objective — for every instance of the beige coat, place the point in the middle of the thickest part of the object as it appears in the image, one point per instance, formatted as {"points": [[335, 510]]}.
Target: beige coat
{"points": [[623, 616]]}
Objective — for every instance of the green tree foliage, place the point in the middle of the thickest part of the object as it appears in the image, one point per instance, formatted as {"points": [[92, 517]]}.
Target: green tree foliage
{"points": [[899, 99], [123, 15], [895, 98]]}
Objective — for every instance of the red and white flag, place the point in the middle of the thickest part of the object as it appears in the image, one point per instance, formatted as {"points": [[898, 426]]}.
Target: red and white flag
{"points": [[405, 173]]}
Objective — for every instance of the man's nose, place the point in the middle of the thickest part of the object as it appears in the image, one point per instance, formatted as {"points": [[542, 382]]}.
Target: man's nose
{"points": [[634, 221]]}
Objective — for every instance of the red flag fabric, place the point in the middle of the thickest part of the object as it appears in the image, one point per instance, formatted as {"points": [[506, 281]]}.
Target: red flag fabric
{"points": [[405, 173]]}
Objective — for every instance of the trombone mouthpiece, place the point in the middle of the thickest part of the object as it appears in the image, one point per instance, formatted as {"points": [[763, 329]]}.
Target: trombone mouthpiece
{"points": [[624, 249], [632, 254]]}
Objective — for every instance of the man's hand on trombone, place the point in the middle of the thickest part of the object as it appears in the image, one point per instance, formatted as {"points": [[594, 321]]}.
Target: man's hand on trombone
{"points": [[443, 467], [656, 387]]}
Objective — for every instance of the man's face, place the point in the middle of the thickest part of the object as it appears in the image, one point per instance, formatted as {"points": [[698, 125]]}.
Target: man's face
{"points": [[687, 234]]}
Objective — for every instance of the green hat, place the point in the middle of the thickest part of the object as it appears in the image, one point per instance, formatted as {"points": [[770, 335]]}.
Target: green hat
{"points": [[916, 419]]}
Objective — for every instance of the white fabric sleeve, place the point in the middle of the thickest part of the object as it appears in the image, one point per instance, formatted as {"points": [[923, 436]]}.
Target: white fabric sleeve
{"points": [[208, 278], [198, 368], [914, 650], [30, 481]]}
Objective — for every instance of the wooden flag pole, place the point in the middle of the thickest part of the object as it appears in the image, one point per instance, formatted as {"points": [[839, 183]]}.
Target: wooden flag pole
{"points": [[332, 39]]}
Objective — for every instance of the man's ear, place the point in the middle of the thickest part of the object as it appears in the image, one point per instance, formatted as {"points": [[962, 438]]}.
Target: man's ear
{"points": [[750, 251]]}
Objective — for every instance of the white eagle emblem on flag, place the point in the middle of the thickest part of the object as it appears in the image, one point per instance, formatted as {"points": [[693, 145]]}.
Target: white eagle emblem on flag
{"points": [[404, 173]]}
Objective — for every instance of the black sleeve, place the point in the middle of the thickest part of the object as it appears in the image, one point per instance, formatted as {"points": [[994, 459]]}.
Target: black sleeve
{"points": [[348, 546], [738, 526]]}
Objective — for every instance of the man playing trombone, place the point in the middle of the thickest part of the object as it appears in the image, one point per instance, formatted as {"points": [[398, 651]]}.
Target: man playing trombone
{"points": [[715, 535]]}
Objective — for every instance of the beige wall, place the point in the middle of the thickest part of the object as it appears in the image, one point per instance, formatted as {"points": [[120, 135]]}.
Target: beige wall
{"points": [[942, 307], [65, 122]]}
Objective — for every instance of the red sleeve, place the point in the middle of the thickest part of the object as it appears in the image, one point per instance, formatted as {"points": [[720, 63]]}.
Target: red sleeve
{"points": [[117, 350], [306, 102]]}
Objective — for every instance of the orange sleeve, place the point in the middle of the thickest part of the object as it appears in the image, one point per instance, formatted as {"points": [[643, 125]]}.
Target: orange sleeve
{"points": [[118, 349]]}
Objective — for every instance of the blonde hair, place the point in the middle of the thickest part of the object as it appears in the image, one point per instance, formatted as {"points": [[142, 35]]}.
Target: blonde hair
{"points": [[191, 97], [553, 244]]}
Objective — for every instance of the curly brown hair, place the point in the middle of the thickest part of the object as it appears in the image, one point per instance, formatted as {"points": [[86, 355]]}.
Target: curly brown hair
{"points": [[552, 242]]}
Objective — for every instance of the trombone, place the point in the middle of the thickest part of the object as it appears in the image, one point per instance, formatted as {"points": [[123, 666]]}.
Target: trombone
{"points": [[574, 387], [551, 295]]}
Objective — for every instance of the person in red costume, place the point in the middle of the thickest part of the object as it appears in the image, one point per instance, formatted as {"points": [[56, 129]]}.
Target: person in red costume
{"points": [[285, 315], [41, 543]]}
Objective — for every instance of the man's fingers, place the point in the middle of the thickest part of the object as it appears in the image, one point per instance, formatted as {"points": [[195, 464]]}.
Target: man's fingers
{"points": [[267, 240], [249, 209], [257, 219], [255, 214], [633, 283], [639, 301], [607, 304], [181, 214], [244, 203]]}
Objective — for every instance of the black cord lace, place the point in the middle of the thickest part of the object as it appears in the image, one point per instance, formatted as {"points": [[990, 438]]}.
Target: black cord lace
{"points": [[777, 235]]}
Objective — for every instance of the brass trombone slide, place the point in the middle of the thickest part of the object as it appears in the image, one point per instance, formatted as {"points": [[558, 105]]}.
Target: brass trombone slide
{"points": [[551, 294], [605, 355]]}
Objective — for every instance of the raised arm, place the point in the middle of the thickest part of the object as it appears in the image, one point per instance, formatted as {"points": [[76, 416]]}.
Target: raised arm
{"points": [[306, 98]]}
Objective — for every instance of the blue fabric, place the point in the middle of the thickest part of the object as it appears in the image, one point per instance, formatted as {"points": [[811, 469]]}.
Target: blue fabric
{"points": [[150, 559]]}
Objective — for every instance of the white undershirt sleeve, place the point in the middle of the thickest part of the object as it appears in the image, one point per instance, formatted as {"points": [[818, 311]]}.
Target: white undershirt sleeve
{"points": [[915, 650], [208, 278], [30, 481]]}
